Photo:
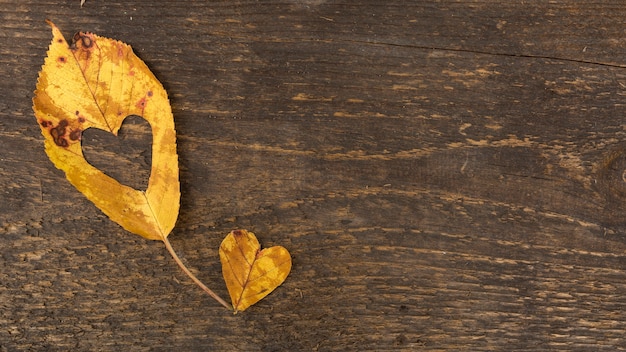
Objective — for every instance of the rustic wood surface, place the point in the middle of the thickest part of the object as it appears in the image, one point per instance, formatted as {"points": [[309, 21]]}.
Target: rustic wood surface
{"points": [[447, 176]]}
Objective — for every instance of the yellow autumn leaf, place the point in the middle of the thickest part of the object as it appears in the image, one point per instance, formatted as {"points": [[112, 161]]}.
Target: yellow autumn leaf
{"points": [[97, 82], [251, 273]]}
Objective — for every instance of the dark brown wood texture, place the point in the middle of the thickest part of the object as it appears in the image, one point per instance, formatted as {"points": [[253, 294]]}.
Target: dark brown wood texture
{"points": [[447, 176]]}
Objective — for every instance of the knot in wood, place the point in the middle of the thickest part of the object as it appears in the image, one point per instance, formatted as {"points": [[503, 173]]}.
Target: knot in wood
{"points": [[612, 175]]}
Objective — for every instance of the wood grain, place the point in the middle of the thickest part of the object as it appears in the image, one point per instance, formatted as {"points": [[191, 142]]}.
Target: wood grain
{"points": [[447, 176]]}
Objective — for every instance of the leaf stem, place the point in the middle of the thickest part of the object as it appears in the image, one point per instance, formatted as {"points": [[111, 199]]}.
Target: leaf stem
{"points": [[193, 277]]}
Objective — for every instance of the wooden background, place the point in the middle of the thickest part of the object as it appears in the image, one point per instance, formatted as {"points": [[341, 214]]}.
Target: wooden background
{"points": [[448, 175]]}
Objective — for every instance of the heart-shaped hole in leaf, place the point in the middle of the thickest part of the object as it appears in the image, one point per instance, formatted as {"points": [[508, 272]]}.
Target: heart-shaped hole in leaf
{"points": [[126, 157]]}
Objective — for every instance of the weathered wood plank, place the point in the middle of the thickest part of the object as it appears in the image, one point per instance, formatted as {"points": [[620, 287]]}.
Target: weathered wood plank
{"points": [[447, 175]]}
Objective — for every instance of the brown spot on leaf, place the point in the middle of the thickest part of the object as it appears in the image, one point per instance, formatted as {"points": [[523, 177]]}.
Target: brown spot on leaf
{"points": [[75, 135], [149, 93], [62, 59], [237, 233], [81, 119], [82, 45], [58, 134], [141, 103], [75, 39], [84, 39]]}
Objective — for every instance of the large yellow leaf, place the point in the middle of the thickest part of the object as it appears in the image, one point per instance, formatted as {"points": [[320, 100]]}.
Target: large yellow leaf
{"points": [[251, 273], [97, 82]]}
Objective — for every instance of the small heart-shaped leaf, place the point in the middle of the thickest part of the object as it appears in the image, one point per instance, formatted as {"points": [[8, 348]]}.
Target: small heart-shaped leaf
{"points": [[251, 273]]}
